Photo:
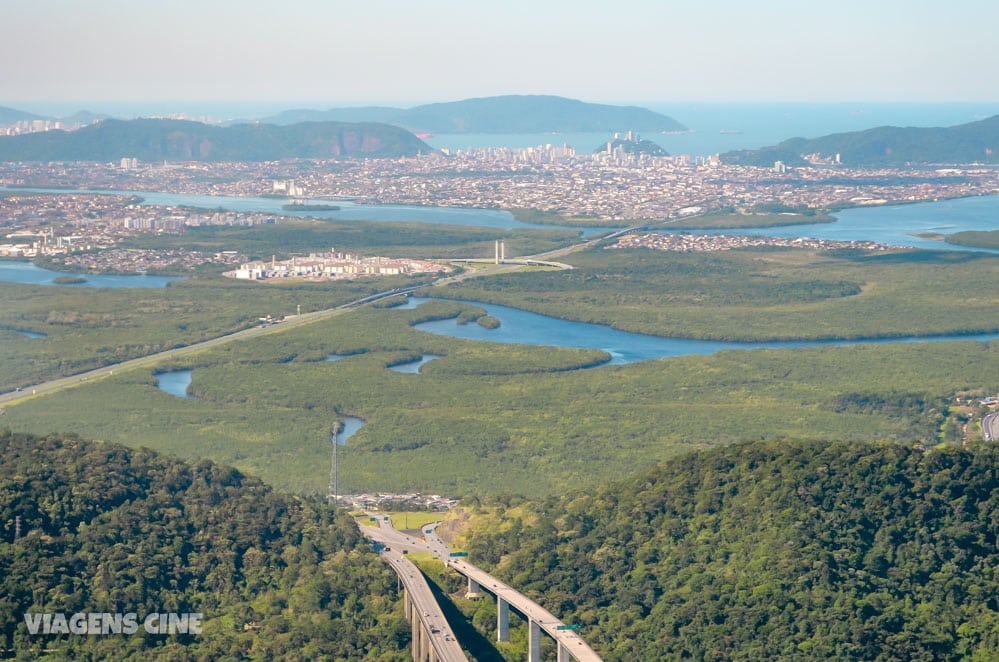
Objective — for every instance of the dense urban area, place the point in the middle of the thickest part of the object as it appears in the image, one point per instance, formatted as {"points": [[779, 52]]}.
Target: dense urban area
{"points": [[613, 186]]}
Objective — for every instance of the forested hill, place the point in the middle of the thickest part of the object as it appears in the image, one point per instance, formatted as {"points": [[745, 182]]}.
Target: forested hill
{"points": [[975, 142], [778, 550], [153, 140], [106, 528], [12, 115], [501, 114]]}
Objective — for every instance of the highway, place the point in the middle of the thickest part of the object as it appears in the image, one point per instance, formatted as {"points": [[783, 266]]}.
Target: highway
{"points": [[291, 322], [153, 359], [990, 426], [568, 639], [397, 540], [441, 636], [436, 627]]}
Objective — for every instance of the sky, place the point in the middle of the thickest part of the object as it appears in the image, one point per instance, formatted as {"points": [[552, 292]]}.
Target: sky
{"points": [[403, 52]]}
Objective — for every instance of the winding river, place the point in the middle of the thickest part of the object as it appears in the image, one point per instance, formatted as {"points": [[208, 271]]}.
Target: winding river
{"points": [[175, 382], [523, 327]]}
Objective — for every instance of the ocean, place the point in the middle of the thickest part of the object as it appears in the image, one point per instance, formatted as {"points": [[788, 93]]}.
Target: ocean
{"points": [[716, 128]]}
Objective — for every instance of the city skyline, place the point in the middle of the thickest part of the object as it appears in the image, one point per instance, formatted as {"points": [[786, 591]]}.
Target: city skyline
{"points": [[397, 53]]}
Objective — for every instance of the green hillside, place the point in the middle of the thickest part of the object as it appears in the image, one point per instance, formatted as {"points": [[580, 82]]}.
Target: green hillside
{"points": [[975, 142], [13, 115], [177, 140], [105, 528], [501, 114], [770, 551]]}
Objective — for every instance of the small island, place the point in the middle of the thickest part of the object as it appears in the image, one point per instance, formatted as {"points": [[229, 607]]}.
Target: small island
{"points": [[488, 322], [631, 143], [69, 280], [302, 206]]}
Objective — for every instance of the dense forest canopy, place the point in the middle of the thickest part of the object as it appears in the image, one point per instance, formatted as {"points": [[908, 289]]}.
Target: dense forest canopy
{"points": [[104, 528], [180, 140], [974, 142], [771, 550]]}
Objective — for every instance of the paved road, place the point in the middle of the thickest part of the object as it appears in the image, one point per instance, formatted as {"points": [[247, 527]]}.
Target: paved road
{"points": [[153, 359], [990, 426], [570, 639], [395, 542], [290, 323], [442, 639]]}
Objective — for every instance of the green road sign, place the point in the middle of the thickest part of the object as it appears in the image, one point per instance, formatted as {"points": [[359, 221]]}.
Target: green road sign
{"points": [[458, 554], [372, 519], [429, 531], [566, 627]]}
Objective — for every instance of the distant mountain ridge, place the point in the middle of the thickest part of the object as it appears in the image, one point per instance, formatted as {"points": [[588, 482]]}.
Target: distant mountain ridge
{"points": [[181, 140], [500, 114], [13, 115], [974, 142]]}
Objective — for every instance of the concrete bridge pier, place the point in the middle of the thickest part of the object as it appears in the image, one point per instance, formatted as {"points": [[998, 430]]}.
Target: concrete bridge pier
{"points": [[426, 652], [534, 642], [421, 648], [563, 654], [473, 586], [502, 620], [416, 630]]}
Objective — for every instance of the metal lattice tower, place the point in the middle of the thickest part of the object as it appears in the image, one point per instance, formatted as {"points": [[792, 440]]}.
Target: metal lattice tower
{"points": [[333, 494]]}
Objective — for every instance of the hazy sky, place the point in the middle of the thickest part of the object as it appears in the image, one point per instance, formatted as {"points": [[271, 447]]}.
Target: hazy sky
{"points": [[397, 51]]}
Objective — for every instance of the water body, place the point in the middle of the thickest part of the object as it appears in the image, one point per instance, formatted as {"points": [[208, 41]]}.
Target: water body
{"points": [[31, 334], [716, 128], [351, 424], [411, 303], [888, 224], [334, 357], [413, 367], [520, 326], [349, 211], [896, 225], [174, 382], [26, 272]]}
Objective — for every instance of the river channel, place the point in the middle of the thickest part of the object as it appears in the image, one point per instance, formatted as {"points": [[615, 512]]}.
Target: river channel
{"points": [[526, 328], [349, 211], [27, 273], [176, 382], [896, 225]]}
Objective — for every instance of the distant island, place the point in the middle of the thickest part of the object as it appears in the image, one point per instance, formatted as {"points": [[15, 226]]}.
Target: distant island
{"points": [[181, 140], [500, 114], [302, 206], [69, 280], [975, 142]]}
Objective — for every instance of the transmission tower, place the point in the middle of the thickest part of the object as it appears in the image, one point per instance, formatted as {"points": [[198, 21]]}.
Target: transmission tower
{"points": [[333, 494]]}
